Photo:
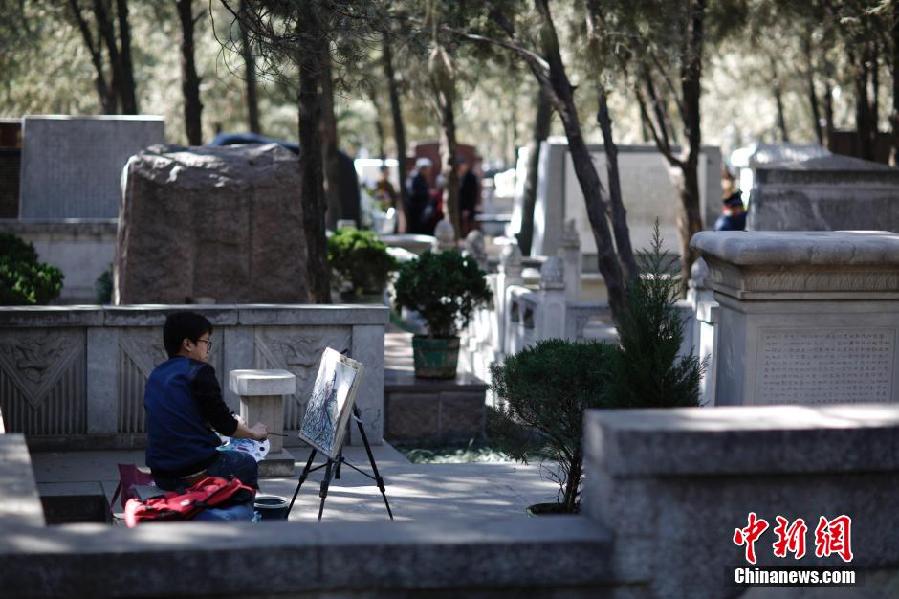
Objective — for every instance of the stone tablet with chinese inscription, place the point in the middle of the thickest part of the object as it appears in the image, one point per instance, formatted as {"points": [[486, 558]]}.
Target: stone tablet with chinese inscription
{"points": [[814, 366]]}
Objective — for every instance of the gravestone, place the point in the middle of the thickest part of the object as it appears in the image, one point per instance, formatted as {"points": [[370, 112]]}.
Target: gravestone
{"points": [[72, 166], [646, 189], [829, 193], [804, 317], [217, 223]]}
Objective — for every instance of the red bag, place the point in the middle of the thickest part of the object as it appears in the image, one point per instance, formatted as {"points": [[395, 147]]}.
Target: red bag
{"points": [[130, 476], [212, 491]]}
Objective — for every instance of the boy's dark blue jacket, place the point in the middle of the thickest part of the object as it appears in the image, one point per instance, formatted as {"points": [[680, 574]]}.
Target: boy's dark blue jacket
{"points": [[179, 440]]}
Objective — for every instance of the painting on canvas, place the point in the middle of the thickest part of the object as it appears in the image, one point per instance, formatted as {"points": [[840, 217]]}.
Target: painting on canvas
{"points": [[331, 403]]}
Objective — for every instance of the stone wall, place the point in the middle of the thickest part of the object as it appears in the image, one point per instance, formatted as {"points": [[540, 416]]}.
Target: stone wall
{"points": [[673, 485], [74, 377]]}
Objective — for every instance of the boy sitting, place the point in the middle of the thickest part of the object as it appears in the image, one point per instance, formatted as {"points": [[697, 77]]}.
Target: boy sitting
{"points": [[184, 404]]}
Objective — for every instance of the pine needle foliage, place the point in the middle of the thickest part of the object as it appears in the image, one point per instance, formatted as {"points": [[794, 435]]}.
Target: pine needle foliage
{"points": [[545, 390], [646, 370]]}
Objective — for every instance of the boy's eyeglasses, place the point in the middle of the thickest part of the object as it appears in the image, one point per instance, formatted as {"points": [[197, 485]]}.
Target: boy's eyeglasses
{"points": [[207, 342]]}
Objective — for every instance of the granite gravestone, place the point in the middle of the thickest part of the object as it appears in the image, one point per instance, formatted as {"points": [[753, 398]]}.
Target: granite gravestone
{"points": [[804, 317], [72, 166], [829, 193], [211, 223]]}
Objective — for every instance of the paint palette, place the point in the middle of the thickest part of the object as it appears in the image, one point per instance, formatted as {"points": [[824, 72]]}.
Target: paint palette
{"points": [[257, 449]]}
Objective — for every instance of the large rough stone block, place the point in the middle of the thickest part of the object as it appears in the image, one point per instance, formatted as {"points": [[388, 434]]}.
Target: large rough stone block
{"points": [[219, 223]]}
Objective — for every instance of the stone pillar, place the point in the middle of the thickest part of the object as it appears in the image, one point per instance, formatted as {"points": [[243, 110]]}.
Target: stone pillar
{"points": [[102, 379], [803, 317], [570, 253], [549, 320], [446, 236], [705, 315], [476, 248], [368, 348], [509, 275], [262, 400]]}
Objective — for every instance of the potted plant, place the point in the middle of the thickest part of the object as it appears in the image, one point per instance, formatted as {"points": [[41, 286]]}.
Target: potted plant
{"points": [[360, 260], [444, 289], [24, 280]]}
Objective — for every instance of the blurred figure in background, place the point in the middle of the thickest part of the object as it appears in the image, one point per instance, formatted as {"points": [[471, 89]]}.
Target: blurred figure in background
{"points": [[733, 213], [418, 197], [469, 194]]}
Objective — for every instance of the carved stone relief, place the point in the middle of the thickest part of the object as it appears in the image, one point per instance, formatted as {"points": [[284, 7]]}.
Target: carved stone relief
{"points": [[34, 360]]}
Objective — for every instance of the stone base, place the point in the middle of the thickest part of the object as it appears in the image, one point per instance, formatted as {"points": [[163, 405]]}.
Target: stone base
{"points": [[277, 465]]}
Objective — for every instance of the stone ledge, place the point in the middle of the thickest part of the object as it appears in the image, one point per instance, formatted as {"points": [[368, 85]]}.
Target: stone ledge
{"points": [[744, 440], [153, 315], [800, 248], [263, 382], [169, 559]]}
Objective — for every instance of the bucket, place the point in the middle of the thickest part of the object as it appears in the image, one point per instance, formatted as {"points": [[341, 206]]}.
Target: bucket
{"points": [[271, 507]]}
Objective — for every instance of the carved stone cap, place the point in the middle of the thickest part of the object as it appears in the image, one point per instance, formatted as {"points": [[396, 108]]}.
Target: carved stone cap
{"points": [[805, 248], [263, 382], [812, 265]]}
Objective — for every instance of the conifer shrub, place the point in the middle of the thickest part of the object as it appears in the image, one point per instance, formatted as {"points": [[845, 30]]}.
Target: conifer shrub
{"points": [[544, 391]]}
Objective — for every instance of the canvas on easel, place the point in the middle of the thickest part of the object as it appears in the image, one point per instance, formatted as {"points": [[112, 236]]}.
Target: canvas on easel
{"points": [[331, 404]]}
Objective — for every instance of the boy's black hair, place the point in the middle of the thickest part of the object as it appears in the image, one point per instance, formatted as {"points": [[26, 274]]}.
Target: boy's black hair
{"points": [[183, 325]]}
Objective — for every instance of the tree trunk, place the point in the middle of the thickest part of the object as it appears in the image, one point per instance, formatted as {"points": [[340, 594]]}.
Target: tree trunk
{"points": [[104, 94], [246, 50], [190, 82], [529, 200], [810, 87], [829, 126], [379, 124], [399, 129], [106, 31], [616, 202], [690, 216], [330, 143], [128, 88], [312, 193], [584, 168], [778, 100], [573, 483], [894, 71], [450, 156]]}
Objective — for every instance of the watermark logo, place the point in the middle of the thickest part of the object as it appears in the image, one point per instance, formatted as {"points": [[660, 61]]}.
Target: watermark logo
{"points": [[832, 537]]}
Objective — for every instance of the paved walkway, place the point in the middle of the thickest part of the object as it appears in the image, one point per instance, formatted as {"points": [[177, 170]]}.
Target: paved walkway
{"points": [[423, 492]]}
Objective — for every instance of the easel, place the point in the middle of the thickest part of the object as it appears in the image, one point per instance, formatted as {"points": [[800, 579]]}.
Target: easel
{"points": [[334, 464]]}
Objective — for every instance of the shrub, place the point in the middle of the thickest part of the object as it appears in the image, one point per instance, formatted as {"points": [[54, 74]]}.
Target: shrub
{"points": [[444, 288], [24, 280], [647, 372], [546, 389], [360, 258], [104, 286]]}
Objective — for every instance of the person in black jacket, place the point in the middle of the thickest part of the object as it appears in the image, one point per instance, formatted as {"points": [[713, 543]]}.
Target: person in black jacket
{"points": [[184, 404], [418, 198]]}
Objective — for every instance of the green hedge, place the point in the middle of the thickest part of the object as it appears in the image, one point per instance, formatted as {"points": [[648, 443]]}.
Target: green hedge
{"points": [[24, 280]]}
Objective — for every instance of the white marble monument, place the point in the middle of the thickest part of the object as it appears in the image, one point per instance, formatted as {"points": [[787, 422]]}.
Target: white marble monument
{"points": [[804, 317], [647, 193]]}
